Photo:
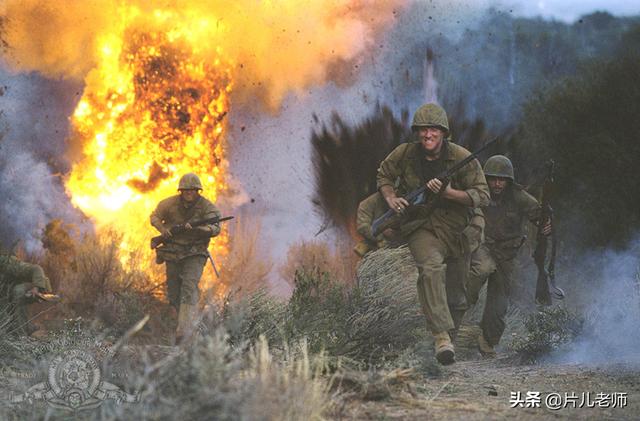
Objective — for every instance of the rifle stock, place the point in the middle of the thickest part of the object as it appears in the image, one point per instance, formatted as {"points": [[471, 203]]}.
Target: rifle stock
{"points": [[158, 240]]}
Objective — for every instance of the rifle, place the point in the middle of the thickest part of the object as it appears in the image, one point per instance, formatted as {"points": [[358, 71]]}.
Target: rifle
{"points": [[44, 296], [215, 269], [422, 196], [176, 229], [545, 285]]}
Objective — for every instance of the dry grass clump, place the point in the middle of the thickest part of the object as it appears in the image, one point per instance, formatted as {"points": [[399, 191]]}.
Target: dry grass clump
{"points": [[94, 283], [316, 258], [245, 269], [212, 379], [250, 317], [209, 379], [364, 324], [550, 329]]}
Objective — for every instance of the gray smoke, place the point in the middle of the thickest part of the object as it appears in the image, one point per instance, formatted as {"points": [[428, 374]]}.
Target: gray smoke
{"points": [[34, 122], [609, 289]]}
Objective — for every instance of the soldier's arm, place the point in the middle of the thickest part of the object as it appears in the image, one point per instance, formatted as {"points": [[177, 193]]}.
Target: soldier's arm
{"points": [[529, 206], [389, 169], [477, 219], [388, 173], [39, 279], [157, 218], [31, 273], [211, 230], [474, 185]]}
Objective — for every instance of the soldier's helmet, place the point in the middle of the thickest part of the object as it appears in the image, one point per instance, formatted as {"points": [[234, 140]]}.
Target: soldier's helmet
{"points": [[430, 115], [190, 181], [499, 166]]}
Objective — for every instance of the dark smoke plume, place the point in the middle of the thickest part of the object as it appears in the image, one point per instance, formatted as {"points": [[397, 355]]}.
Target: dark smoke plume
{"points": [[346, 157]]}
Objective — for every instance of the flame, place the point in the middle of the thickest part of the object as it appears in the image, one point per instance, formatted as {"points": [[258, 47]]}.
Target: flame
{"points": [[158, 80], [153, 109]]}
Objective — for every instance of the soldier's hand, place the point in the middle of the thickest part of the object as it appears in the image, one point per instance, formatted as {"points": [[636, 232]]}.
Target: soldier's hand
{"points": [[188, 226], [34, 292], [390, 234], [398, 204], [435, 185]]}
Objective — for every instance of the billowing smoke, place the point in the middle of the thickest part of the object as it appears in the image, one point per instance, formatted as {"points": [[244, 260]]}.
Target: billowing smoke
{"points": [[611, 293], [34, 126]]}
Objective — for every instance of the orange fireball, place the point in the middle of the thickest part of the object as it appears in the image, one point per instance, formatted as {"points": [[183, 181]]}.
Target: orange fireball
{"points": [[153, 109]]}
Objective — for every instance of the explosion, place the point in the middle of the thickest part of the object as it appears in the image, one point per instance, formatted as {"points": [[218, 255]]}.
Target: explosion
{"points": [[158, 78], [153, 110]]}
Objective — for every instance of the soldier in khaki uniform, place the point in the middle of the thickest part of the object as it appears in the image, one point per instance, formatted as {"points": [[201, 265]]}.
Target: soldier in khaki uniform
{"points": [[369, 210], [507, 215], [185, 253], [435, 240], [374, 206], [21, 284]]}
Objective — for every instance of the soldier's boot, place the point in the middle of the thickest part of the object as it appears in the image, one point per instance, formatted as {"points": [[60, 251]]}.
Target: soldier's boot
{"points": [[485, 348], [186, 317], [456, 316], [444, 348]]}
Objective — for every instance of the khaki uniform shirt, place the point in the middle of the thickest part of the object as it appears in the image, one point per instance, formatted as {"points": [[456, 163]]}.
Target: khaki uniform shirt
{"points": [[449, 218], [174, 211], [506, 221]]}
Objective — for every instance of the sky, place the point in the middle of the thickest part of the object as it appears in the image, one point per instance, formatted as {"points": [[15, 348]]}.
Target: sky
{"points": [[570, 10]]}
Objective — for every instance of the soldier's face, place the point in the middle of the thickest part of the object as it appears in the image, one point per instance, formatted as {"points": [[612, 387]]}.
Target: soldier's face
{"points": [[431, 139], [189, 195], [497, 185]]}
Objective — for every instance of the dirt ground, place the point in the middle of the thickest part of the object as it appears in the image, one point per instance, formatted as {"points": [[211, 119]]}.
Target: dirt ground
{"points": [[476, 388]]}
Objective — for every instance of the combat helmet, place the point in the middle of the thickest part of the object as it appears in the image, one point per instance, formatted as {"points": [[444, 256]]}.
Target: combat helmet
{"points": [[499, 166], [190, 181], [430, 115]]}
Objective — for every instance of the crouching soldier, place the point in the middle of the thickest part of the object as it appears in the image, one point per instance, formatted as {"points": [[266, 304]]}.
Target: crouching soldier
{"points": [[507, 215], [369, 210], [21, 284], [185, 253]]}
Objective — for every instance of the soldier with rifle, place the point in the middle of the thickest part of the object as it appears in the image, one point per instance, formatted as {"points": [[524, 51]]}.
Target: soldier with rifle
{"points": [[507, 215], [448, 186], [184, 246], [21, 284]]}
